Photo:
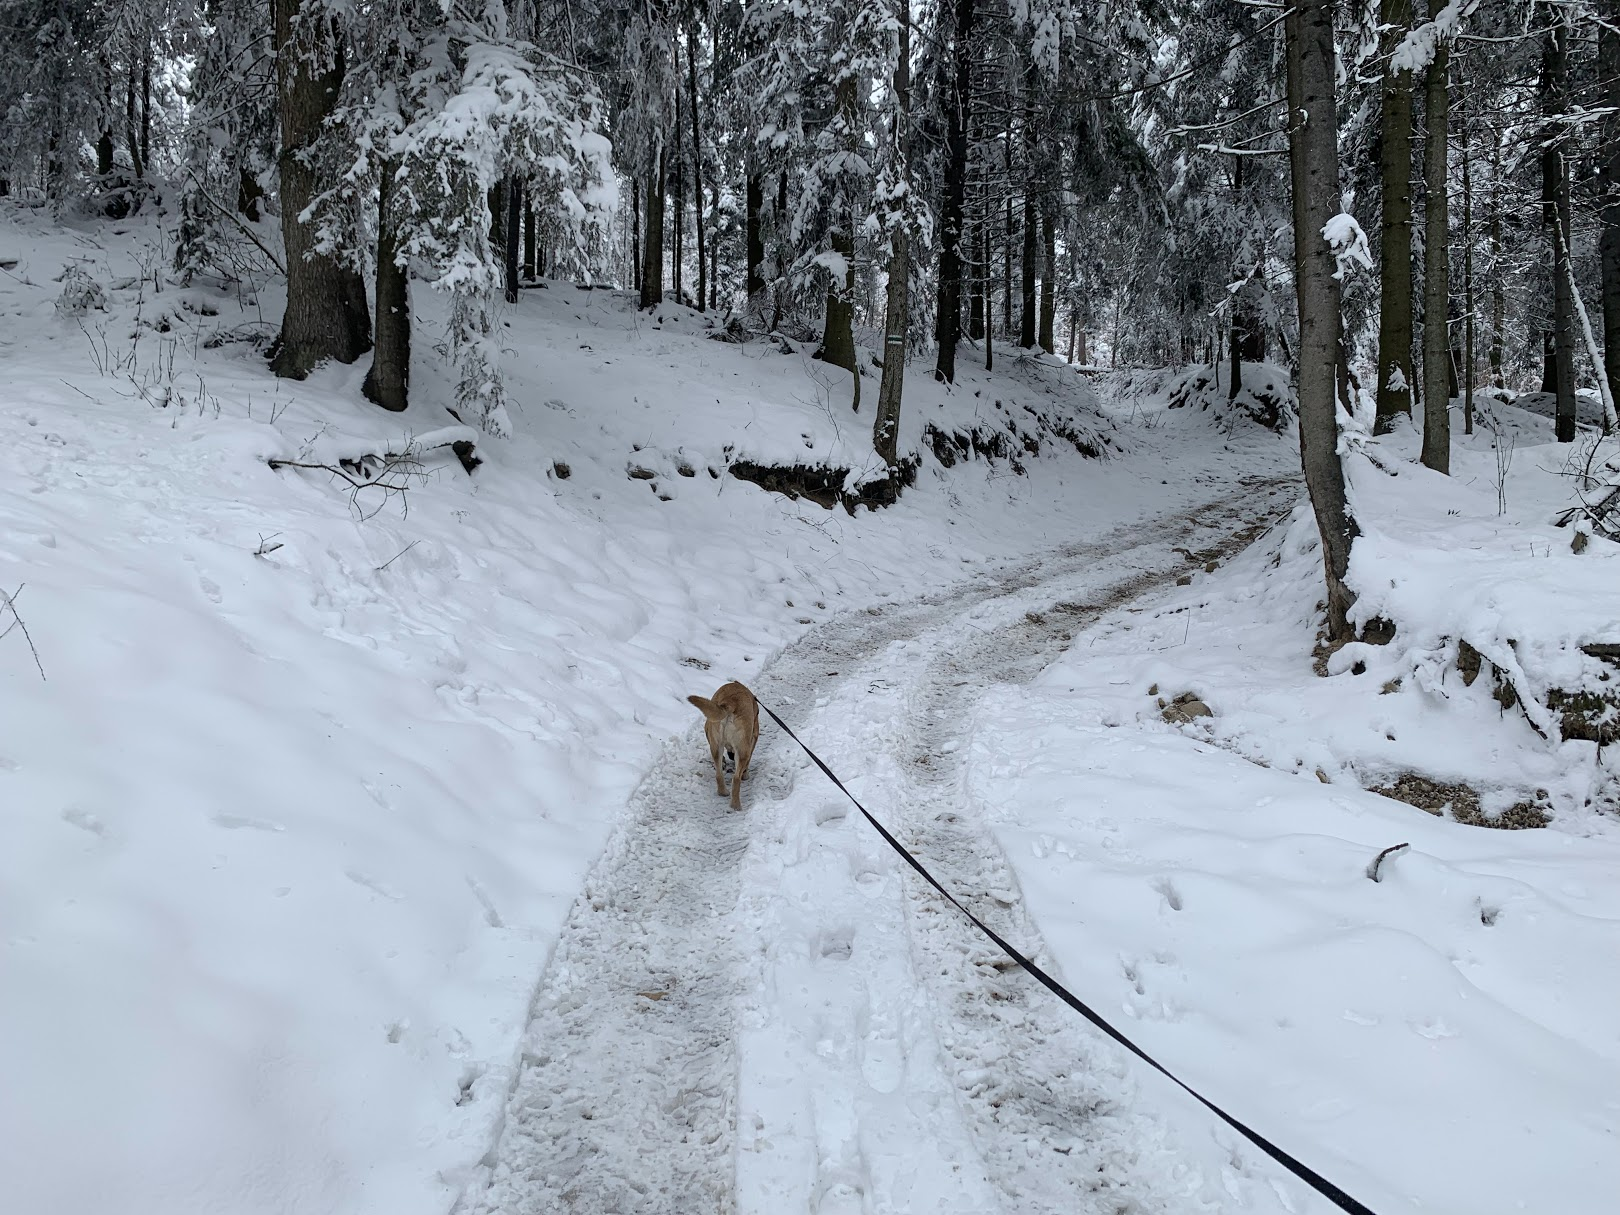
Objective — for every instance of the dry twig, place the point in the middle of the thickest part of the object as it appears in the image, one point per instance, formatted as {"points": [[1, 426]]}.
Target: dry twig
{"points": [[10, 603]]}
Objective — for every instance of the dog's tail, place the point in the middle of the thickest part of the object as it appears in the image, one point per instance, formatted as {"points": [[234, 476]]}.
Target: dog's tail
{"points": [[707, 707]]}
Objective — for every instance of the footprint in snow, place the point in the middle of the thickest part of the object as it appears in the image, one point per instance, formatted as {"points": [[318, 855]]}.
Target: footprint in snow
{"points": [[237, 822], [837, 944], [883, 1058], [1432, 1028], [1133, 977], [1168, 890], [85, 821], [376, 887], [830, 814]]}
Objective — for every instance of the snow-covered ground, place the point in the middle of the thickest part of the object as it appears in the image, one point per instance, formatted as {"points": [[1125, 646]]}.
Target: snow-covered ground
{"points": [[358, 852]]}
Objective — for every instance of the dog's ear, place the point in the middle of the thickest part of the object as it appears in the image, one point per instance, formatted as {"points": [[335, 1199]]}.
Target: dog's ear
{"points": [[705, 706]]}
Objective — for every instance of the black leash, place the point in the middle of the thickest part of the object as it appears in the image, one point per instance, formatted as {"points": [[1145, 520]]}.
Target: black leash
{"points": [[1303, 1171]]}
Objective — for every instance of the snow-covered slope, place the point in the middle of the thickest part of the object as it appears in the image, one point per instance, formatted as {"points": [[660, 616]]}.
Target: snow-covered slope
{"points": [[1442, 1039], [293, 818]]}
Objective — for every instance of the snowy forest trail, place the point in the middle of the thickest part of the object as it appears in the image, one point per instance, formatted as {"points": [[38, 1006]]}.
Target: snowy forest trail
{"points": [[766, 1012]]}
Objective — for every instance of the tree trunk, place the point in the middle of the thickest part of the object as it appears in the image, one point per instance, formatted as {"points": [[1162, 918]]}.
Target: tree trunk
{"points": [[697, 174], [897, 308], [1007, 259], [497, 216], [635, 234], [1313, 145], [514, 231], [1235, 339], [678, 212], [388, 381], [838, 336], [1556, 216], [652, 239], [989, 331], [1396, 380], [948, 315], [1437, 366], [1048, 275], [1498, 353], [248, 194], [979, 285], [529, 232], [146, 107], [131, 128], [327, 316], [1609, 213], [1468, 274], [754, 238], [779, 231], [1028, 320]]}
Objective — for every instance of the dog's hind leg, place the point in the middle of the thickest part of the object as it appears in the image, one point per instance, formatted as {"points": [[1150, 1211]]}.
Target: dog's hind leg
{"points": [[719, 769], [737, 778]]}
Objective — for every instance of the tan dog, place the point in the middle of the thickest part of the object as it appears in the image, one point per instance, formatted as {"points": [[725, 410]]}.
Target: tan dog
{"points": [[731, 723]]}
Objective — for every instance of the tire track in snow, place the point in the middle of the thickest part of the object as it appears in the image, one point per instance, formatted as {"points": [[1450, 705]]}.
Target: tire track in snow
{"points": [[695, 938], [1049, 1097]]}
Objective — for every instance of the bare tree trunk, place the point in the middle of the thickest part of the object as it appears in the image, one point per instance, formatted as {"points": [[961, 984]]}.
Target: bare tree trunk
{"points": [[1437, 367], [948, 314], [514, 231], [697, 174], [779, 220], [1007, 258], [1609, 213], [896, 315], [1396, 380], [1235, 342], [652, 239], [388, 381], [1048, 277], [678, 199], [1028, 304], [1498, 354], [529, 231], [838, 335], [146, 106], [635, 233], [1469, 302], [989, 331], [104, 145], [1556, 217], [1313, 144], [327, 316], [981, 274], [754, 238], [131, 129]]}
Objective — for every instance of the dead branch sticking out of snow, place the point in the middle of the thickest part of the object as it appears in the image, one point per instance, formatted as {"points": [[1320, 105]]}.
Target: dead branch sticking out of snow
{"points": [[390, 472], [9, 602], [1373, 870]]}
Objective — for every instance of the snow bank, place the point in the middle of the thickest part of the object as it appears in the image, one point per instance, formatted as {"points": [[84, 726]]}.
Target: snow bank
{"points": [[1441, 1039], [1264, 397]]}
